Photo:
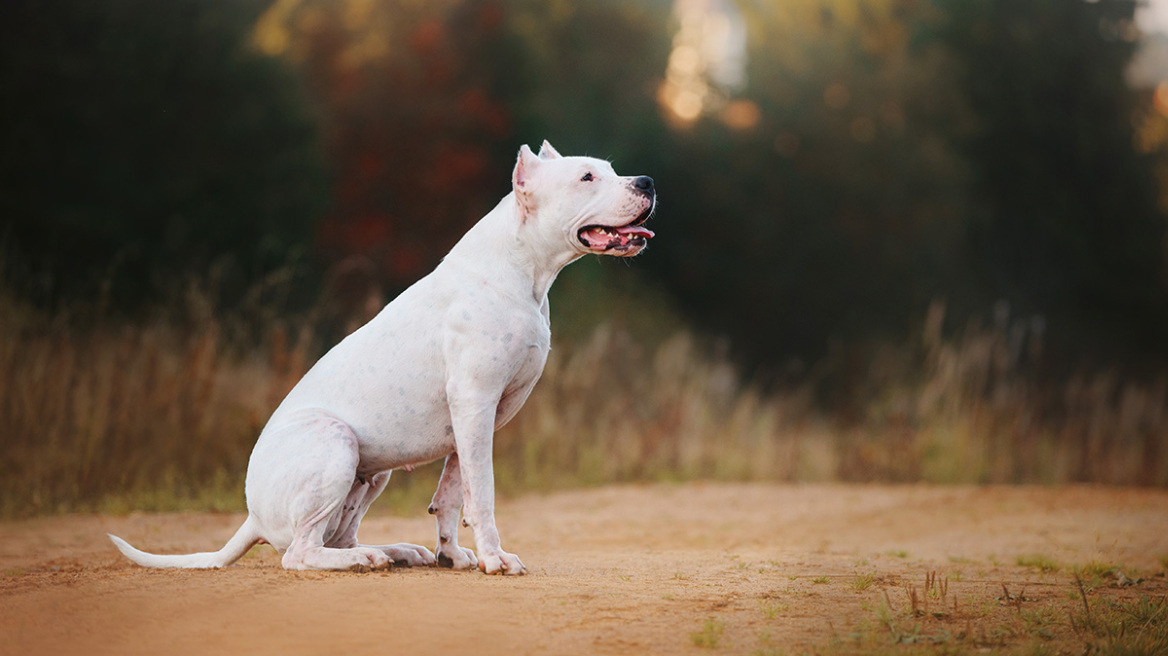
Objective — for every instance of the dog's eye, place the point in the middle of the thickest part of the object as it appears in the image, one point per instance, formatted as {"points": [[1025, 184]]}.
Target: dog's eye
{"points": [[587, 178]]}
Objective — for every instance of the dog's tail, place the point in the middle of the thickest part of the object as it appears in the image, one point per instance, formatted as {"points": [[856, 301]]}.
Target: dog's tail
{"points": [[245, 538]]}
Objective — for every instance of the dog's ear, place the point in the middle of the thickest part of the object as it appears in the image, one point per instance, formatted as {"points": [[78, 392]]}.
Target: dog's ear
{"points": [[547, 152], [525, 166], [521, 179]]}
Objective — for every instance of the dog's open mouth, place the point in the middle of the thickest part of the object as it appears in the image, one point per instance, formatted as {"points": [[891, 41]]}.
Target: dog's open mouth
{"points": [[612, 238]]}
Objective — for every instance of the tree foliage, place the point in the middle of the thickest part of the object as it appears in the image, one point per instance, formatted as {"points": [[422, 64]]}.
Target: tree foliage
{"points": [[1065, 220], [145, 140], [836, 216], [426, 103], [875, 155]]}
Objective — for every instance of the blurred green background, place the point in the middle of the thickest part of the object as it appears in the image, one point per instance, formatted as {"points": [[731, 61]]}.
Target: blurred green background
{"points": [[862, 203]]}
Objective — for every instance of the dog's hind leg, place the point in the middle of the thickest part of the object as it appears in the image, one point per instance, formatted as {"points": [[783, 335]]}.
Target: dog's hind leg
{"points": [[305, 471], [446, 506], [360, 497], [308, 551]]}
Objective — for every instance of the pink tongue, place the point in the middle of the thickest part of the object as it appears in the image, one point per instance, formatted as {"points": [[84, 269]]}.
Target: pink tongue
{"points": [[632, 232]]}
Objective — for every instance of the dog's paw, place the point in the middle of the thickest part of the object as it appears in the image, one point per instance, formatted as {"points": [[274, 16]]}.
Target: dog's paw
{"points": [[502, 562], [370, 560], [456, 558], [409, 555], [359, 559]]}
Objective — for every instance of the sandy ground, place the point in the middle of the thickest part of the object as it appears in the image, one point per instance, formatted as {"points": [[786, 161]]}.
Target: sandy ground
{"points": [[759, 569]]}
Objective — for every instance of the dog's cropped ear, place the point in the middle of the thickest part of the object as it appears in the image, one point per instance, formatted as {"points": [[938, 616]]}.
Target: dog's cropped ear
{"points": [[525, 166], [521, 179], [547, 152]]}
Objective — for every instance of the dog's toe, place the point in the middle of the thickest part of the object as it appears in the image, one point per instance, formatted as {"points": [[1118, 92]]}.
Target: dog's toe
{"points": [[427, 556], [502, 563], [457, 558], [409, 555]]}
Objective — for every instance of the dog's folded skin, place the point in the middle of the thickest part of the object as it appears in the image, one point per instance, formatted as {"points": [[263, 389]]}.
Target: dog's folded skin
{"points": [[433, 375]]}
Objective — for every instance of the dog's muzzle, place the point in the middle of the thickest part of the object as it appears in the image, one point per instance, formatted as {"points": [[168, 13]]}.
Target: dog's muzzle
{"points": [[628, 239]]}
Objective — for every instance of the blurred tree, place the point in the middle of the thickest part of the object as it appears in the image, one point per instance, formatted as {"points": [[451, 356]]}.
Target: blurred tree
{"points": [[834, 212], [873, 154], [411, 121], [1066, 220], [425, 105], [898, 151], [871, 159], [145, 140]]}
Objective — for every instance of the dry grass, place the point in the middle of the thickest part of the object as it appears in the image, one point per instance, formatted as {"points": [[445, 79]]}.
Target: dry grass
{"points": [[613, 410], [985, 619], [1039, 562], [1129, 626], [163, 415], [123, 416], [971, 408]]}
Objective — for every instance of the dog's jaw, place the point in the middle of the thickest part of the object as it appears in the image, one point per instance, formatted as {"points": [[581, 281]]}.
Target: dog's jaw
{"points": [[624, 241], [619, 240]]}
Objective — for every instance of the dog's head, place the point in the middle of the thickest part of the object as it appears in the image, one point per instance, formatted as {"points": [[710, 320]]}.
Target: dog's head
{"points": [[583, 201]]}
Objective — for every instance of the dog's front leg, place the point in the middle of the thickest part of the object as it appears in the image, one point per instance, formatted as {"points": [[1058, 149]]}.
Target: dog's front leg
{"points": [[473, 419], [446, 506]]}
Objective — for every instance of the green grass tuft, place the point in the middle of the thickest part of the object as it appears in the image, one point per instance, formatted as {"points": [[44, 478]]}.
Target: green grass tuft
{"points": [[710, 633], [1040, 562], [864, 581], [1111, 627], [771, 610]]}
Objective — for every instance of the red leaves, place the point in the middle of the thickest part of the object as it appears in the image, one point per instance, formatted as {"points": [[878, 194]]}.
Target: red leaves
{"points": [[428, 37], [411, 128]]}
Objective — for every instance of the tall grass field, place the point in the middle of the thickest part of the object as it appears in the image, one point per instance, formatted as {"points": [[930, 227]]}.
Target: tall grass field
{"points": [[162, 414]]}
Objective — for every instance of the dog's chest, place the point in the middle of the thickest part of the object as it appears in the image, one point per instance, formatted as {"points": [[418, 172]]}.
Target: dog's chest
{"points": [[531, 367], [535, 355]]}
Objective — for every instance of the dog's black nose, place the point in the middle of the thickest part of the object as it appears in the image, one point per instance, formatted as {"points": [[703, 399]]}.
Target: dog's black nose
{"points": [[644, 183]]}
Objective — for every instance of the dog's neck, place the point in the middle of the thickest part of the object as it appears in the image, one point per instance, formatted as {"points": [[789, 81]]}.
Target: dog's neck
{"points": [[520, 261]]}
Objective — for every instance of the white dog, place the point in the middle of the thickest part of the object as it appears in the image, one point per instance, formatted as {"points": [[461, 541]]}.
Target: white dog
{"points": [[433, 375]]}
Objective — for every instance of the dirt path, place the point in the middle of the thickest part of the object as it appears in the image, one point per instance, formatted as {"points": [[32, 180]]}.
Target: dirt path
{"points": [[622, 570]]}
